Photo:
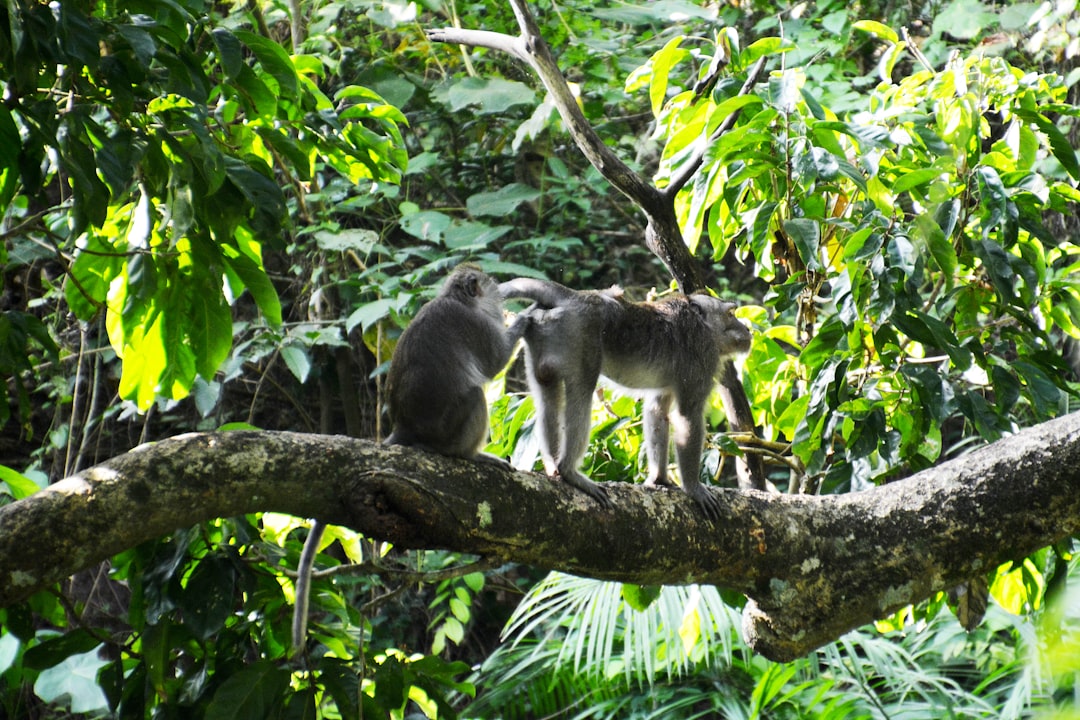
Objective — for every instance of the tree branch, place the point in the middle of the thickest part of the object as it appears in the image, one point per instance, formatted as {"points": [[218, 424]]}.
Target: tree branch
{"points": [[812, 566], [531, 48]]}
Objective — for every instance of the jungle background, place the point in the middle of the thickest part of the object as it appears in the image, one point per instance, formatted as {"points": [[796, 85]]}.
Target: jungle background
{"points": [[221, 216]]}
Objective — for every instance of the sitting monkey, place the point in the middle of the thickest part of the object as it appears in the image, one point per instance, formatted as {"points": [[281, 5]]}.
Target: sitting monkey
{"points": [[671, 350], [435, 389], [454, 346]]}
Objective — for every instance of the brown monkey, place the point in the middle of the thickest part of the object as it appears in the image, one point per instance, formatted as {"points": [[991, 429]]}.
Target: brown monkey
{"points": [[435, 388], [671, 350]]}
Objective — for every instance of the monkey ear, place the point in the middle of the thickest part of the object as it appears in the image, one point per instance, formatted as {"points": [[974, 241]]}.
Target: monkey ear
{"points": [[472, 286], [707, 303]]}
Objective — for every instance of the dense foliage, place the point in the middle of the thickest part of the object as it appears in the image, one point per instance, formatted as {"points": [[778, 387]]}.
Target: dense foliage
{"points": [[214, 215]]}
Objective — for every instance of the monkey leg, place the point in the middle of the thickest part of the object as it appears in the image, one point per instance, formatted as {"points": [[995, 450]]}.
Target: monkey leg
{"points": [[655, 411], [577, 413], [689, 440], [548, 399]]}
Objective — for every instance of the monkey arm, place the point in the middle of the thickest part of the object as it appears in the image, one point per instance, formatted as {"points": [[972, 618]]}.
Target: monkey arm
{"points": [[813, 567]]}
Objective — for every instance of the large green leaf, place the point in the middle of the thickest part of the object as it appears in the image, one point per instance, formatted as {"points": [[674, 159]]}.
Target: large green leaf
{"points": [[274, 60], [252, 693]]}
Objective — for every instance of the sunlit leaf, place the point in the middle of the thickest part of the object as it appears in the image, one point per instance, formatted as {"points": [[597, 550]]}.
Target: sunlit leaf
{"points": [[74, 681], [877, 29]]}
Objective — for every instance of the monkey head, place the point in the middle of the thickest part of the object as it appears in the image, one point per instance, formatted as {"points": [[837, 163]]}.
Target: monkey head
{"points": [[733, 338]]}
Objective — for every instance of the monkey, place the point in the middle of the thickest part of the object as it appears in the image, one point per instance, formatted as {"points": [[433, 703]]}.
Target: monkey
{"points": [[455, 345], [435, 389], [671, 351]]}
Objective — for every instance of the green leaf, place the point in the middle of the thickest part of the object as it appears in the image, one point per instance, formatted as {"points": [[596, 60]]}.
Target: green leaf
{"points": [[274, 60], [10, 142], [784, 90], [264, 194], [52, 651], [877, 30], [1060, 146], [662, 62], [208, 323], [257, 282], [934, 333], [75, 678], [391, 690], [368, 314], [141, 344], [297, 360], [258, 99], [915, 178], [963, 19], [302, 159], [77, 36], [253, 692], [640, 597], [491, 96], [997, 263], [230, 54], [806, 234], [762, 47], [474, 236], [459, 609], [360, 240], [209, 597], [502, 201], [792, 416], [454, 630], [1045, 394], [475, 581], [19, 485], [941, 248], [426, 225]]}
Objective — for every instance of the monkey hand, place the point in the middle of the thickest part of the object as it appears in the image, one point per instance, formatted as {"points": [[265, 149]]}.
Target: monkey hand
{"points": [[709, 503]]}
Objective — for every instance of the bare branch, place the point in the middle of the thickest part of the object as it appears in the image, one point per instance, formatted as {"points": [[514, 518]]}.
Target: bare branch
{"points": [[482, 38], [812, 566]]}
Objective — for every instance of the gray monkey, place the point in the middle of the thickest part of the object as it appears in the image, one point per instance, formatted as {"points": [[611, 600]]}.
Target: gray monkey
{"points": [[671, 351], [435, 389], [454, 346]]}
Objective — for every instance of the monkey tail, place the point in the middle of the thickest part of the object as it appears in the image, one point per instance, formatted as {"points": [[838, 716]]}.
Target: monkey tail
{"points": [[303, 586], [545, 293]]}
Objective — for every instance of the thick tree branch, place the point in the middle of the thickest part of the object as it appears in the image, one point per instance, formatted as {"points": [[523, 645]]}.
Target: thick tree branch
{"points": [[813, 567]]}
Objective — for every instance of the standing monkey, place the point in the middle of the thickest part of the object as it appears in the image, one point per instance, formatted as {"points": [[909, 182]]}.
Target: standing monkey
{"points": [[435, 388], [672, 350]]}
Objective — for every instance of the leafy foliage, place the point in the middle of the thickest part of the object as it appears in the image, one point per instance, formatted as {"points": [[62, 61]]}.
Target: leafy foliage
{"points": [[579, 649], [917, 295], [148, 142]]}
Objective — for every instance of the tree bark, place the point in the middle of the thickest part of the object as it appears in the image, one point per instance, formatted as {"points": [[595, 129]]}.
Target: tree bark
{"points": [[813, 567]]}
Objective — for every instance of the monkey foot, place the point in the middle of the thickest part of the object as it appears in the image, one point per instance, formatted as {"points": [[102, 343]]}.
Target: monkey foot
{"points": [[587, 486], [709, 503]]}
